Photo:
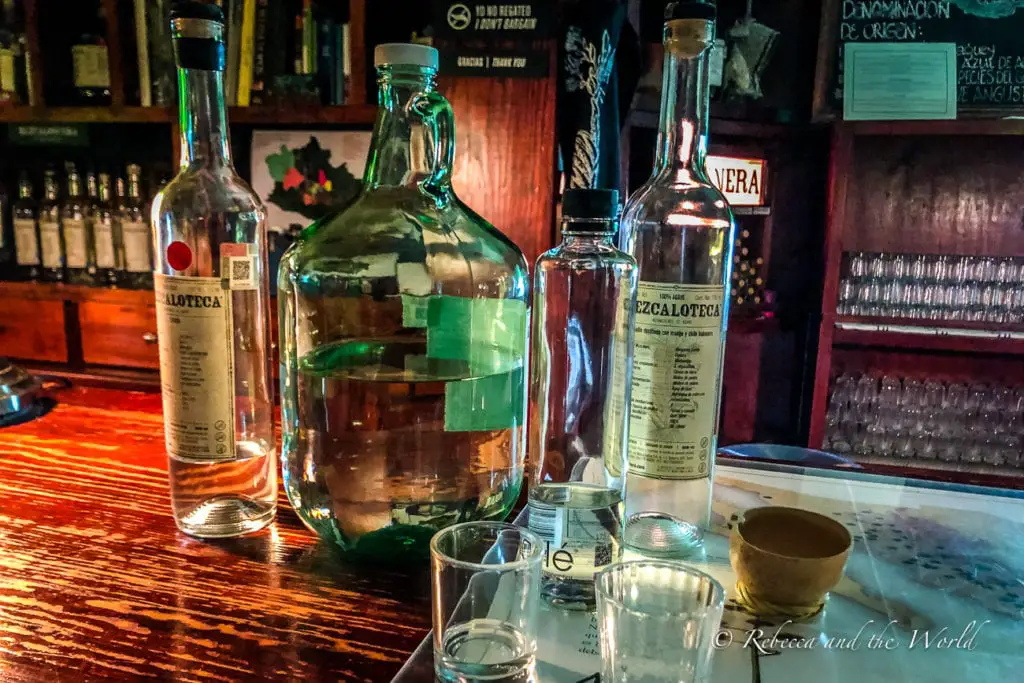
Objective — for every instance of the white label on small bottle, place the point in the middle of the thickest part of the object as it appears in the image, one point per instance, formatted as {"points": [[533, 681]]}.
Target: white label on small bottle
{"points": [[90, 66], [195, 332], [75, 243], [136, 247], [103, 232], [576, 541], [677, 358], [26, 243], [49, 238]]}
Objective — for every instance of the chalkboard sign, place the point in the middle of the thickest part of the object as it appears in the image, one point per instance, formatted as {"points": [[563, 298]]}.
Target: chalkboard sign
{"points": [[989, 37]]}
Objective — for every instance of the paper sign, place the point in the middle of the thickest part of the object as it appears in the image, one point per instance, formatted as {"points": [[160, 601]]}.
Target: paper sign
{"points": [[740, 180], [899, 81]]}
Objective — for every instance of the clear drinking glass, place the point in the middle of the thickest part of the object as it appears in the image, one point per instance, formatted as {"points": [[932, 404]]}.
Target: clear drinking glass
{"points": [[657, 621], [485, 596]]}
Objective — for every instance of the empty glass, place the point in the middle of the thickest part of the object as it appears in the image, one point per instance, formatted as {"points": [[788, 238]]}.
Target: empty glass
{"points": [[657, 622], [485, 597]]}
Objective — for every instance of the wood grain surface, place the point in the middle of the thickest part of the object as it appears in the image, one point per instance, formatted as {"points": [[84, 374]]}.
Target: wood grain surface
{"points": [[96, 583]]}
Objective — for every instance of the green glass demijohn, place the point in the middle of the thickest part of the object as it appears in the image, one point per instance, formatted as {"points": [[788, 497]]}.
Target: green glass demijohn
{"points": [[403, 342]]}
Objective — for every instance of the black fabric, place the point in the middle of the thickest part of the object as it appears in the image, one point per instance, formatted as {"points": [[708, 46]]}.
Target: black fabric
{"points": [[588, 91]]}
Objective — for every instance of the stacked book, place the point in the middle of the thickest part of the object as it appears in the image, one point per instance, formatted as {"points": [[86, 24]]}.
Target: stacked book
{"points": [[278, 51]]}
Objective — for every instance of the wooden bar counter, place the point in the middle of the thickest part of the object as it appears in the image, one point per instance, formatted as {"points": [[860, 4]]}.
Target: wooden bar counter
{"points": [[96, 583]]}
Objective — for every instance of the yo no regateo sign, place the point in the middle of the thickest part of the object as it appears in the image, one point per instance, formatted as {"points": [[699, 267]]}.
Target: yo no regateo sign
{"points": [[482, 20]]}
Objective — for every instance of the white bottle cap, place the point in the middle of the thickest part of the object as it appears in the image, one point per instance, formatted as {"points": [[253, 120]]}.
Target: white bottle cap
{"points": [[405, 53]]}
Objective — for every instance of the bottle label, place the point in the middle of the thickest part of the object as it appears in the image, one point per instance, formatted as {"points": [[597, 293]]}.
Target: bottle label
{"points": [[90, 66], [49, 239], [577, 543], [26, 243], [103, 232], [677, 354], [195, 332], [7, 70], [75, 243], [136, 247], [616, 412]]}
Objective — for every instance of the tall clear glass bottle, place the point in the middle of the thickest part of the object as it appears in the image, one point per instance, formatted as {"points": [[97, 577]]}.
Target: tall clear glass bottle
{"points": [[212, 305], [51, 241], [680, 229], [74, 226], [135, 259], [103, 222], [403, 342], [26, 232], [583, 301]]}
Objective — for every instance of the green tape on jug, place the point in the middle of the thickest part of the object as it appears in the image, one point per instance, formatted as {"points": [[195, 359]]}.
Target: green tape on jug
{"points": [[414, 310], [490, 335]]}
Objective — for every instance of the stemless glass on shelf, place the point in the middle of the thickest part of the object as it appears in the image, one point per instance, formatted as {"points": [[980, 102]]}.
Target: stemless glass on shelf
{"points": [[897, 418], [984, 289]]}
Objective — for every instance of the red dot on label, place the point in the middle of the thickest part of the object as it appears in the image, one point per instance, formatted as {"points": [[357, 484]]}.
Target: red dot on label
{"points": [[179, 256]]}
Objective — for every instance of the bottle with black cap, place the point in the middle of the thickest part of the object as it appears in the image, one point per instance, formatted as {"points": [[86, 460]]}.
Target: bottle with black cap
{"points": [[584, 299], [213, 306], [679, 228], [403, 342]]}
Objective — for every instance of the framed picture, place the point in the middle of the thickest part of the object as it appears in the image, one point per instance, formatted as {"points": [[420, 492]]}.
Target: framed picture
{"points": [[304, 175]]}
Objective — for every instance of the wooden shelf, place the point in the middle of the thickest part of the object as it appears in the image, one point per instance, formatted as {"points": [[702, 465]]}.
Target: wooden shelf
{"points": [[48, 291], [84, 115], [642, 118], [917, 334], [344, 114], [1004, 126]]}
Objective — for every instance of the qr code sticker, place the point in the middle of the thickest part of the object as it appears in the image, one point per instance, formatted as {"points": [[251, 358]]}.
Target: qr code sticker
{"points": [[602, 554], [241, 274], [241, 269]]}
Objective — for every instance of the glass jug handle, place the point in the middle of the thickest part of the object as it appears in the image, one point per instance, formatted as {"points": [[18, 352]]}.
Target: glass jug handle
{"points": [[437, 117]]}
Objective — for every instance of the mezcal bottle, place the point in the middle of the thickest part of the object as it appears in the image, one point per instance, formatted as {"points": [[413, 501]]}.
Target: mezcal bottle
{"points": [[680, 230], [403, 342]]}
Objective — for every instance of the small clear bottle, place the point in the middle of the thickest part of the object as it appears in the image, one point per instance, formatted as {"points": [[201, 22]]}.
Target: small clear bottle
{"points": [[135, 259], [51, 241], [103, 221], [26, 232], [74, 226], [584, 301]]}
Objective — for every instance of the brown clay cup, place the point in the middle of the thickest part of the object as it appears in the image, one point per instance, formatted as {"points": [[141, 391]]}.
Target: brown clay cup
{"points": [[786, 560]]}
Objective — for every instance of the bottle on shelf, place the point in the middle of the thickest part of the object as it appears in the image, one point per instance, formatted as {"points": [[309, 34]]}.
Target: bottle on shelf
{"points": [[26, 233], [9, 55], [213, 307], [74, 225], [90, 62], [7, 262], [136, 256], [584, 299], [51, 241], [103, 221], [403, 336], [680, 230]]}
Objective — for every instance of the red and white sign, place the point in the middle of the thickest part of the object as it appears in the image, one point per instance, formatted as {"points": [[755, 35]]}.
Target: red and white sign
{"points": [[740, 180]]}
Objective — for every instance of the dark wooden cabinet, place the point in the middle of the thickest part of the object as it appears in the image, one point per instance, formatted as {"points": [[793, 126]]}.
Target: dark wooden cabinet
{"points": [[119, 334], [44, 338]]}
